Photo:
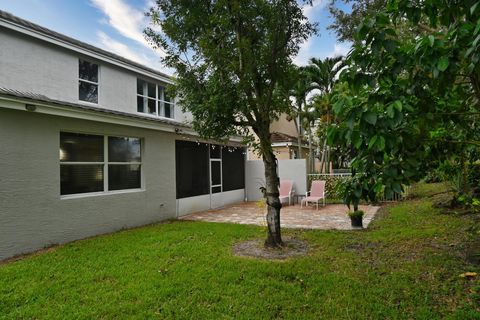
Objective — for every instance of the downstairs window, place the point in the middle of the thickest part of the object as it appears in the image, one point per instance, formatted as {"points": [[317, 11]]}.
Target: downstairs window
{"points": [[96, 163]]}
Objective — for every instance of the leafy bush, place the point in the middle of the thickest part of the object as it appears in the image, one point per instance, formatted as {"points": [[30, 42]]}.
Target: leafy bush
{"points": [[470, 203], [334, 185], [473, 179], [356, 214]]}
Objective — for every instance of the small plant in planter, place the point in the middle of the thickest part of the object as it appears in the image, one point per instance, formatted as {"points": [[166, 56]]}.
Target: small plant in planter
{"points": [[356, 217]]}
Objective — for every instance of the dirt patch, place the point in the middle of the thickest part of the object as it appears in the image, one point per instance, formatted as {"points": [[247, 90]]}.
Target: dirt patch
{"points": [[256, 249]]}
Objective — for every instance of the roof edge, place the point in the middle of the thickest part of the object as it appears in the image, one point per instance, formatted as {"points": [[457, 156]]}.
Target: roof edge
{"points": [[23, 26]]}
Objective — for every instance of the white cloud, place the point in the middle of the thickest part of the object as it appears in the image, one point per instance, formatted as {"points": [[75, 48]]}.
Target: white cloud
{"points": [[127, 20], [309, 11], [304, 54], [121, 49], [340, 49], [147, 58]]}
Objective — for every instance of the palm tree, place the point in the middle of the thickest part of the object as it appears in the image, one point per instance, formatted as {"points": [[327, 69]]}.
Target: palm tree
{"points": [[323, 75]]}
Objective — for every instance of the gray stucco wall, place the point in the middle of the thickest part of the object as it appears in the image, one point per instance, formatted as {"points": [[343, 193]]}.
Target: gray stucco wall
{"points": [[295, 170], [32, 213], [29, 65], [32, 65]]}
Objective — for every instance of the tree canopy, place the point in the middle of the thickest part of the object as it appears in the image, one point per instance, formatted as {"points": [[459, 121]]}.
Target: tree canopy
{"points": [[345, 22], [408, 100], [231, 58]]}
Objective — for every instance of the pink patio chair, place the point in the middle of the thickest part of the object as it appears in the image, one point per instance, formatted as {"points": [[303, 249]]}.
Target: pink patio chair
{"points": [[286, 190], [316, 193]]}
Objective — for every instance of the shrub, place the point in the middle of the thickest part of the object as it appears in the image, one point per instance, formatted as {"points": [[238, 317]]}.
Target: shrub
{"points": [[473, 179], [334, 185], [356, 214]]}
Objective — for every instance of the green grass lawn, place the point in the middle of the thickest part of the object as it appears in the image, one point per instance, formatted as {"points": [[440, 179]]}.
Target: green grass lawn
{"points": [[405, 266]]}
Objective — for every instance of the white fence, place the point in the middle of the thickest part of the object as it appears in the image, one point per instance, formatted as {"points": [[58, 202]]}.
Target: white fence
{"points": [[295, 170]]}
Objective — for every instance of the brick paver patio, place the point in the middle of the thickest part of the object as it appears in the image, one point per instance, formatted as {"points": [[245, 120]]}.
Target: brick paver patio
{"points": [[332, 216]]}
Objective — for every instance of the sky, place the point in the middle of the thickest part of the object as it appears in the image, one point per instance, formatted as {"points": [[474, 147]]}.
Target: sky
{"points": [[117, 25]]}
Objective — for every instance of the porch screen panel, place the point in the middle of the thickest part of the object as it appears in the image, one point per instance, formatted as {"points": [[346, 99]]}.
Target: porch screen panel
{"points": [[192, 169], [233, 168]]}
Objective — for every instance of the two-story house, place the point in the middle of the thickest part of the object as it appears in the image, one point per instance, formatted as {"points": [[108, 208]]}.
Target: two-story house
{"points": [[284, 135], [91, 142]]}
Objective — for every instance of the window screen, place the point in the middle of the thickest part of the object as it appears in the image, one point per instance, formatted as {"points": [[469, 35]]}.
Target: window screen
{"points": [[87, 92], [77, 147], [81, 163], [153, 99], [168, 110], [123, 149], [88, 71], [121, 177], [216, 173], [84, 166], [125, 154], [233, 168], [192, 169], [215, 151], [81, 178], [88, 81]]}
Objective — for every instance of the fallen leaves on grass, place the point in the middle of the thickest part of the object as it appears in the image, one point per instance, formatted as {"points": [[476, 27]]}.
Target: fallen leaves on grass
{"points": [[468, 275]]}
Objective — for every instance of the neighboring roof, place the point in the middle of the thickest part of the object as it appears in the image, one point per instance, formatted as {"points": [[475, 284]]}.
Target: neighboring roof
{"points": [[278, 137], [35, 97], [53, 34]]}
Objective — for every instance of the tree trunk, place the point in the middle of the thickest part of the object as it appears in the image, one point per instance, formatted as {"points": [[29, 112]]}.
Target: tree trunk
{"points": [[310, 152], [327, 160], [299, 138], [323, 159], [272, 183], [274, 238]]}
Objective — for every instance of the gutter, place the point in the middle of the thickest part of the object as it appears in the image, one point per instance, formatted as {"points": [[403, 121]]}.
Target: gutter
{"points": [[69, 110]]}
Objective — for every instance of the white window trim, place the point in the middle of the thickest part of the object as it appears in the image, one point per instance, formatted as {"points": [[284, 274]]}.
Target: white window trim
{"points": [[98, 194], [159, 101], [105, 164], [90, 82]]}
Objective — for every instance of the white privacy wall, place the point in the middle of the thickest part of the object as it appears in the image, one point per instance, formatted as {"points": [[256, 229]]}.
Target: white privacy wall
{"points": [[295, 170]]}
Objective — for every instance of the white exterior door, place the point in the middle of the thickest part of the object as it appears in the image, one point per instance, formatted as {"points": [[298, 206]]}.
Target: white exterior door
{"points": [[216, 199]]}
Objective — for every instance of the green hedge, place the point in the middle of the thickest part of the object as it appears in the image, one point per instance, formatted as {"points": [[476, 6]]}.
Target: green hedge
{"points": [[332, 183], [334, 189], [474, 179]]}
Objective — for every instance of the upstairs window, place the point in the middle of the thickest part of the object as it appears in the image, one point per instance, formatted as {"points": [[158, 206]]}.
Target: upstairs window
{"points": [[87, 81], [153, 99]]}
